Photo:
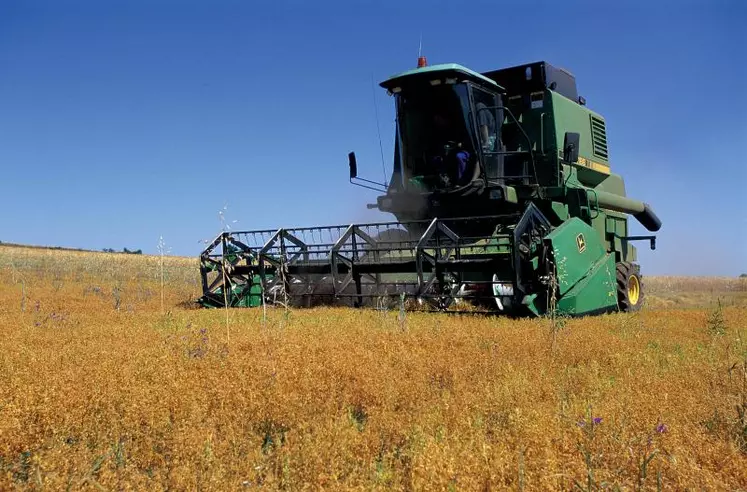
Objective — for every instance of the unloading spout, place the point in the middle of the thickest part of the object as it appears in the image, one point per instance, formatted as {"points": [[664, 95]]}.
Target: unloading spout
{"points": [[641, 211]]}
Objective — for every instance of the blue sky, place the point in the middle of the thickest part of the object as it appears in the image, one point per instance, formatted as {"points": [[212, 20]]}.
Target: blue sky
{"points": [[124, 121]]}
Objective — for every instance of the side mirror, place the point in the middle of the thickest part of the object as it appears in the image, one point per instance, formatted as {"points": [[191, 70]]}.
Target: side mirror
{"points": [[353, 165], [570, 146], [365, 183]]}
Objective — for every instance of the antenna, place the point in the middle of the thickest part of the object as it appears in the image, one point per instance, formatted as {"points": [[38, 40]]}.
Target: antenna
{"points": [[378, 129], [420, 45]]}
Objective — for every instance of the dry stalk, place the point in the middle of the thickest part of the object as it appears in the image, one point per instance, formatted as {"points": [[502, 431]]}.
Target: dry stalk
{"points": [[226, 286]]}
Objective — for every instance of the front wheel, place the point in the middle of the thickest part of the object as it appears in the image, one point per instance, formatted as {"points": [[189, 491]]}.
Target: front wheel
{"points": [[629, 287]]}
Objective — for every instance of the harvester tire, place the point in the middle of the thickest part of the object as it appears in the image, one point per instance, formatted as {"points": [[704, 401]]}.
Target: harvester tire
{"points": [[629, 287]]}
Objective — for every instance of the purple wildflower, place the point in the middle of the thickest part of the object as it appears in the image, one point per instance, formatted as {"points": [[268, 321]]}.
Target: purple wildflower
{"points": [[597, 420], [662, 428]]}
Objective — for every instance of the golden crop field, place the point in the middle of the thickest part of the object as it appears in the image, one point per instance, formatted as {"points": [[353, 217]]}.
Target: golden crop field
{"points": [[107, 385]]}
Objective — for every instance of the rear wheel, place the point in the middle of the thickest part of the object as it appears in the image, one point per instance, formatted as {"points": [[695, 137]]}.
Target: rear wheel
{"points": [[629, 287]]}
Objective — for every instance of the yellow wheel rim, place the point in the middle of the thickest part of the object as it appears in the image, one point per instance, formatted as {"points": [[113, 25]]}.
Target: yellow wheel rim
{"points": [[634, 290]]}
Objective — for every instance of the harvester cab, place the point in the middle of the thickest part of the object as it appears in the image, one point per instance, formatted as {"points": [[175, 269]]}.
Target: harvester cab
{"points": [[447, 141], [503, 197]]}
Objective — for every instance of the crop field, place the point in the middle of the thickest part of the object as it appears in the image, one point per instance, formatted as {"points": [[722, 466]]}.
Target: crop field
{"points": [[111, 379]]}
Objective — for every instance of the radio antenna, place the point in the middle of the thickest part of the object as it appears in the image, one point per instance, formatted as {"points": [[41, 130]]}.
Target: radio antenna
{"points": [[378, 129]]}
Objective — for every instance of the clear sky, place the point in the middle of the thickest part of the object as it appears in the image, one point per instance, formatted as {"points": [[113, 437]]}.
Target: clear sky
{"points": [[122, 121]]}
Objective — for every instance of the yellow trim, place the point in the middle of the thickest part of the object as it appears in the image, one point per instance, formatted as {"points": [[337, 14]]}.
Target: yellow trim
{"points": [[596, 166], [588, 163], [634, 290]]}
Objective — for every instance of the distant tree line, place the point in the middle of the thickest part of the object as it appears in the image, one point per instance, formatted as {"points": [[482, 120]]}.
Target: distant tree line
{"points": [[125, 250]]}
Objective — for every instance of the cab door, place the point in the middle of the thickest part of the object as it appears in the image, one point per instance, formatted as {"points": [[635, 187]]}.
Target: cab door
{"points": [[487, 118]]}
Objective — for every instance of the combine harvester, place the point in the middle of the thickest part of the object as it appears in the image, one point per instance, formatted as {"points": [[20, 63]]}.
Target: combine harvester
{"points": [[504, 200]]}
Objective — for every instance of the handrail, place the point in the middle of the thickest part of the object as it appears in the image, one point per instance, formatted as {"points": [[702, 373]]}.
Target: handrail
{"points": [[596, 203], [526, 137]]}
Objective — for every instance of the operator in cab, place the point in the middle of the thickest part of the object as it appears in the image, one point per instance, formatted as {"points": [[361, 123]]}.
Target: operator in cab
{"points": [[447, 157]]}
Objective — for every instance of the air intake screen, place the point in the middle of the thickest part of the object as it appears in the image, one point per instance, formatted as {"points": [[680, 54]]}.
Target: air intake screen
{"points": [[599, 137]]}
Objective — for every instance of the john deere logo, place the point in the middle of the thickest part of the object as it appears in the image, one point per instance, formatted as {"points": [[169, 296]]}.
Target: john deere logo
{"points": [[581, 243]]}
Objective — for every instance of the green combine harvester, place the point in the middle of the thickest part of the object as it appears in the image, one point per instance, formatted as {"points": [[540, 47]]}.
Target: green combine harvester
{"points": [[504, 202]]}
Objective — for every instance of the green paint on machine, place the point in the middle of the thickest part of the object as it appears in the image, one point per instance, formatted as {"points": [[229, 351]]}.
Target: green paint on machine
{"points": [[584, 269], [241, 295]]}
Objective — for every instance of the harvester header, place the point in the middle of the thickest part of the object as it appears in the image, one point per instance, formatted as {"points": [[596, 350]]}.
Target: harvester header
{"points": [[503, 198]]}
